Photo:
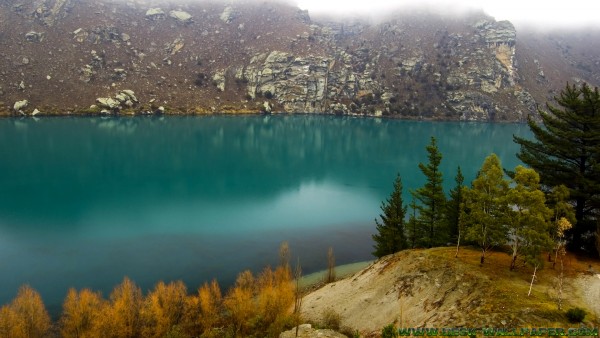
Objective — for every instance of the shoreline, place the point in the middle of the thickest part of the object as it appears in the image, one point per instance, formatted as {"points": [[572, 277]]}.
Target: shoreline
{"points": [[315, 279], [12, 115]]}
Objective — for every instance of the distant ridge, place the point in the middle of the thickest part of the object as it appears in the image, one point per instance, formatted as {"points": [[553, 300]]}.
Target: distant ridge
{"points": [[67, 56]]}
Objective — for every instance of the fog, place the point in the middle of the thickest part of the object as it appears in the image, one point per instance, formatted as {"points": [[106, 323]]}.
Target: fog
{"points": [[574, 13]]}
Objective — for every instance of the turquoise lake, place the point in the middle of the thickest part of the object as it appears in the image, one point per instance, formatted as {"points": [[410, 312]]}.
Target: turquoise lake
{"points": [[87, 201]]}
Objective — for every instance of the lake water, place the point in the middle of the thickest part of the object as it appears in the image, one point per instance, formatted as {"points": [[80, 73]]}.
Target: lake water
{"points": [[87, 201]]}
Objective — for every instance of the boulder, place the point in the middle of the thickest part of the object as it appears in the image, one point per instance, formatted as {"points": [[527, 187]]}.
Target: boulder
{"points": [[228, 14], [175, 46], [267, 107], [219, 80], [130, 94], [306, 331], [155, 14], [20, 105], [107, 102], [34, 36], [181, 16], [80, 35], [86, 73], [339, 109], [122, 98]]}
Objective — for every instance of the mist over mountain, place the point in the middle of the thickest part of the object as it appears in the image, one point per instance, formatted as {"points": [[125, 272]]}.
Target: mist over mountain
{"points": [[130, 57]]}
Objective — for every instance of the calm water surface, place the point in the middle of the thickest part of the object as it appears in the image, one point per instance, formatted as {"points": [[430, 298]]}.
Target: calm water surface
{"points": [[87, 201]]}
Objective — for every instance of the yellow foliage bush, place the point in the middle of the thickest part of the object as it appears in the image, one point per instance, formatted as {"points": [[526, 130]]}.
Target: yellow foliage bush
{"points": [[80, 311], [253, 307], [25, 317]]}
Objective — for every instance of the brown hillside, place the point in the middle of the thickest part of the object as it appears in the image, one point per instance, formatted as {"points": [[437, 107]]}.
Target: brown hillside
{"points": [[431, 288], [211, 56]]}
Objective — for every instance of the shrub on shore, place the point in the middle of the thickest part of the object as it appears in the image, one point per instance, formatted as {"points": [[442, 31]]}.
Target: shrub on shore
{"points": [[254, 307]]}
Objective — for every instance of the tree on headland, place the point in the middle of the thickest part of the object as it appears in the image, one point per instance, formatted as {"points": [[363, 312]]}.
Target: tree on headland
{"points": [[412, 227], [529, 218], [485, 207], [562, 225], [566, 150], [562, 211], [431, 199], [330, 275], [453, 209], [390, 237]]}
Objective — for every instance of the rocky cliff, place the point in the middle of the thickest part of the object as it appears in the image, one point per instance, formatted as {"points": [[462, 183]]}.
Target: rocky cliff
{"points": [[130, 57]]}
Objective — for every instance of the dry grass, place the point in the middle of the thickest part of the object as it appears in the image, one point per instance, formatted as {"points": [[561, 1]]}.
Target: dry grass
{"points": [[431, 288]]}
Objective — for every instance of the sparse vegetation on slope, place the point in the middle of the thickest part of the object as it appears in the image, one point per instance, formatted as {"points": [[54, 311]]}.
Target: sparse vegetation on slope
{"points": [[432, 288]]}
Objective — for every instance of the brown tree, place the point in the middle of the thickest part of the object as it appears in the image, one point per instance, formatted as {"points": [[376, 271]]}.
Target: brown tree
{"points": [[163, 309], [26, 316], [275, 297], [80, 311], [239, 304], [211, 303], [121, 317]]}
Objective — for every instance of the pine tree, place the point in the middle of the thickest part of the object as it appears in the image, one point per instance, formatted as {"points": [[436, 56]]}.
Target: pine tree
{"points": [[566, 151], [453, 206], [390, 237], [431, 199], [412, 228], [485, 206], [529, 224]]}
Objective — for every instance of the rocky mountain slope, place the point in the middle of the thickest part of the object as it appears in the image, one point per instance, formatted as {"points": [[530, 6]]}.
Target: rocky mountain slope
{"points": [[146, 56], [432, 289]]}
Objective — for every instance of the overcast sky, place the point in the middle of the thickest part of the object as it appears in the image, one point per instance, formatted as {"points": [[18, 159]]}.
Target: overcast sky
{"points": [[549, 12]]}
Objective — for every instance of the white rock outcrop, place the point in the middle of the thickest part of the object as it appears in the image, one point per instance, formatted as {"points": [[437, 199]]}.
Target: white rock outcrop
{"points": [[306, 331], [181, 16], [155, 13], [20, 105]]}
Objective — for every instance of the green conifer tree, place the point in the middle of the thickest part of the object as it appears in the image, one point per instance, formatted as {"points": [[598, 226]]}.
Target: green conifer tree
{"points": [[390, 237], [566, 150], [431, 199], [412, 227], [453, 206]]}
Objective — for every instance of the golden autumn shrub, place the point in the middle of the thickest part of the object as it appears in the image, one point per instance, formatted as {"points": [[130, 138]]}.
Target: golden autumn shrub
{"points": [[80, 311], [274, 298], [163, 309], [240, 305], [120, 318], [210, 306], [25, 316], [7, 321], [253, 307]]}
